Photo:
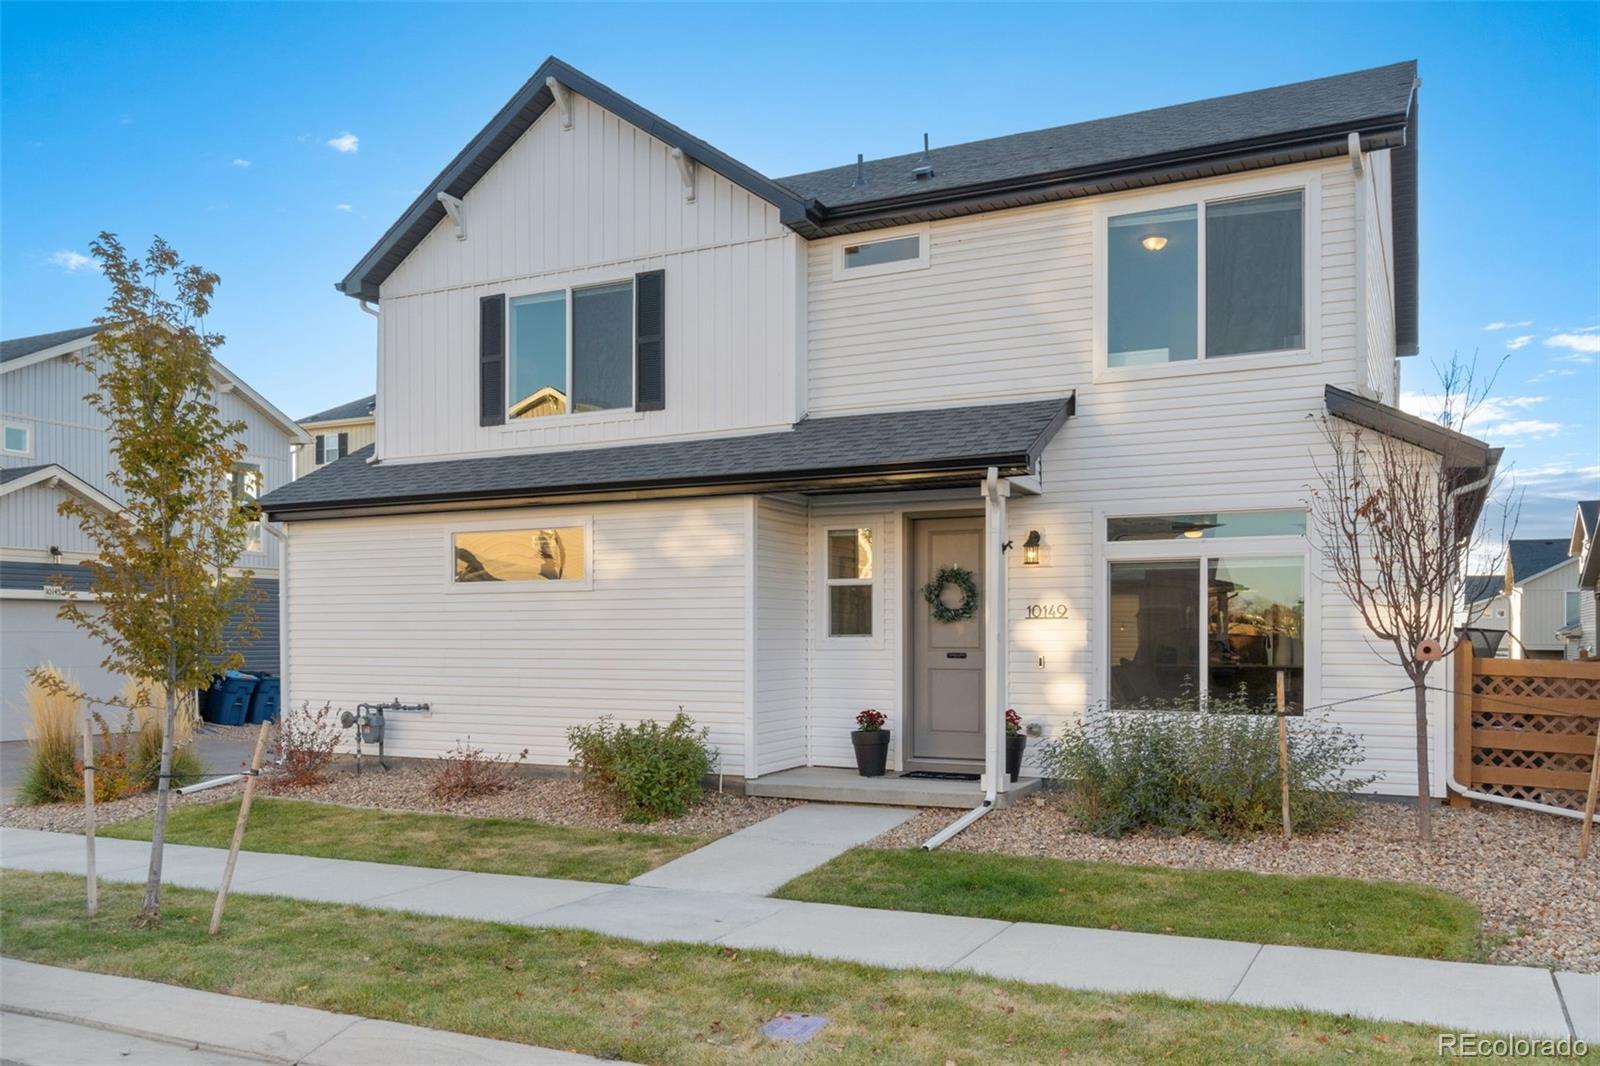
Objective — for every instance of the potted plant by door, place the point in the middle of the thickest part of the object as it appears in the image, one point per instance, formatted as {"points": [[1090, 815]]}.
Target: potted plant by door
{"points": [[871, 742], [1015, 743]]}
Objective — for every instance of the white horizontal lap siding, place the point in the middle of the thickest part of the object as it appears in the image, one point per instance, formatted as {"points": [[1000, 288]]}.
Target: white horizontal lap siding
{"points": [[597, 203], [372, 618], [782, 637]]}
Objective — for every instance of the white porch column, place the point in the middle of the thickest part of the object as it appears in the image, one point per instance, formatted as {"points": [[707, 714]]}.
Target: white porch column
{"points": [[995, 492]]}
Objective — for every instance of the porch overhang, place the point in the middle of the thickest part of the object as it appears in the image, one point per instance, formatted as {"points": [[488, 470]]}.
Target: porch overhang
{"points": [[924, 448]]}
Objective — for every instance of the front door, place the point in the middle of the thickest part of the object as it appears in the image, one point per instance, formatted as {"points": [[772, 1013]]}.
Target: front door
{"points": [[946, 661]]}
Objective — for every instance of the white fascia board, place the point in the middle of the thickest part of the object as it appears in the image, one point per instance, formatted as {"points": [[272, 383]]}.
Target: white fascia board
{"points": [[261, 403], [44, 355], [55, 473]]}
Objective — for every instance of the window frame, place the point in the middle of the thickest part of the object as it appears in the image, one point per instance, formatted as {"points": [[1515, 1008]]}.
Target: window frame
{"points": [[838, 524], [27, 438], [921, 261], [561, 520], [236, 485], [1308, 182], [1572, 608], [567, 290], [334, 439], [1201, 551]]}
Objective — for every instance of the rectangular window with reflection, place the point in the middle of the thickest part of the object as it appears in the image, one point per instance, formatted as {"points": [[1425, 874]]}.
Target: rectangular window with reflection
{"points": [[1154, 617], [571, 352], [330, 448], [1217, 525], [245, 484], [1255, 629], [1152, 287], [1255, 275], [1574, 605], [18, 439], [526, 555], [878, 253], [849, 581]]}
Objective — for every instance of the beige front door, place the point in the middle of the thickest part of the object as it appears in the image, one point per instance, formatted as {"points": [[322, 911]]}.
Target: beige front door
{"points": [[946, 660]]}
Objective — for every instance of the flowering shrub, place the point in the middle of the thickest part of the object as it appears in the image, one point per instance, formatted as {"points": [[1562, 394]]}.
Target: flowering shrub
{"points": [[464, 772], [870, 721], [1013, 722], [303, 749], [654, 770]]}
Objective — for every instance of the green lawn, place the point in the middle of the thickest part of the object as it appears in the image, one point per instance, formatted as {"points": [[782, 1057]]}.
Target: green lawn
{"points": [[1324, 912], [676, 1003], [488, 845]]}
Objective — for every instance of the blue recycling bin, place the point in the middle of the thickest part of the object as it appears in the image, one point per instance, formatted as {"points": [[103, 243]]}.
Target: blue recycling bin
{"points": [[264, 701], [228, 699]]}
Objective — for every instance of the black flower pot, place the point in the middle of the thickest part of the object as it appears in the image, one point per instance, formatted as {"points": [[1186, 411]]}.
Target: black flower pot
{"points": [[872, 751], [1015, 742]]}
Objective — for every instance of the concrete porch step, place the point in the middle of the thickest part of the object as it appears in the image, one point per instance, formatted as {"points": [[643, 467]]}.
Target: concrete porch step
{"points": [[837, 784]]}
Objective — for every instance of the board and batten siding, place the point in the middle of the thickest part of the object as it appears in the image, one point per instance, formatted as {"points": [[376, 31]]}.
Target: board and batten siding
{"points": [[49, 398], [305, 457], [598, 203], [373, 617], [782, 592], [1006, 310]]}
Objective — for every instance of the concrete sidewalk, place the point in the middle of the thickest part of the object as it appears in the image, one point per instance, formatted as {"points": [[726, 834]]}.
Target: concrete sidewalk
{"points": [[1456, 996], [55, 1017]]}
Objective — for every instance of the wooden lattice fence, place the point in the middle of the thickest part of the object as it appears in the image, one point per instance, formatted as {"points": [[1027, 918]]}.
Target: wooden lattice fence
{"points": [[1525, 728]]}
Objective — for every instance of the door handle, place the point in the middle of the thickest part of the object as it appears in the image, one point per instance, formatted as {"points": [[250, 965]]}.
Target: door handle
{"points": [[955, 655]]}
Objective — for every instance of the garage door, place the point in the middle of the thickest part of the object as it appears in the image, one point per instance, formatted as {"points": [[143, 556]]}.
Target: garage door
{"points": [[30, 634]]}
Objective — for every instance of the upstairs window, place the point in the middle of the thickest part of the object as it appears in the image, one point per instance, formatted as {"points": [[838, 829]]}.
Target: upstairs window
{"points": [[18, 439], [889, 255], [1206, 280], [330, 450], [571, 352], [245, 484]]}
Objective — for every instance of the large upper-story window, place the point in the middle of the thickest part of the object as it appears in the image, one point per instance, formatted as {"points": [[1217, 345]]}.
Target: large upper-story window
{"points": [[1206, 280], [571, 351]]}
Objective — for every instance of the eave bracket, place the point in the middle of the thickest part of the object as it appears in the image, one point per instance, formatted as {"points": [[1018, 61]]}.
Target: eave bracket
{"points": [[563, 100], [686, 169], [455, 209]]}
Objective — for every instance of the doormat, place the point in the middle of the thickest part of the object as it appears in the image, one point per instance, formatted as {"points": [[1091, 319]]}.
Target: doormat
{"points": [[934, 775]]}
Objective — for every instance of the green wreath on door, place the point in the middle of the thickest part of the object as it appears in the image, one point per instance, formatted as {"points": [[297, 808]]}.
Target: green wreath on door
{"points": [[933, 592]]}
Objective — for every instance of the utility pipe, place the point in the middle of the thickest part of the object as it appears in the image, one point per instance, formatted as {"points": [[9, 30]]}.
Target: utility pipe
{"points": [[201, 786], [1450, 719], [960, 823]]}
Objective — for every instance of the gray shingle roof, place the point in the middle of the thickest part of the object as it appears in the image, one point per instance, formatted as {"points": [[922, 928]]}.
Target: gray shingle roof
{"points": [[1341, 103], [1532, 557], [15, 473], [1484, 586], [21, 346], [949, 443], [354, 409]]}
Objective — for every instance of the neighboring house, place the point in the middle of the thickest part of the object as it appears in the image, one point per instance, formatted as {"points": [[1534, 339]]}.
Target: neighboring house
{"points": [[335, 433], [1582, 628], [1488, 607], [55, 446], [1541, 588], [654, 430]]}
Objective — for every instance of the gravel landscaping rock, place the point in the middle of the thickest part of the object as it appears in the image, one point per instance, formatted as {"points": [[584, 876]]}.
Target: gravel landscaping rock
{"points": [[1520, 868], [68, 817]]}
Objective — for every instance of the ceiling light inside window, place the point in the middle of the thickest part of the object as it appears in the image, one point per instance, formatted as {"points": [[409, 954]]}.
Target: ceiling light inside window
{"points": [[1154, 244]]}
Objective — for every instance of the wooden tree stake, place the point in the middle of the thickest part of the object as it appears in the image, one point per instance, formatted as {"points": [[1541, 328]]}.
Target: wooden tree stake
{"points": [[91, 885], [1594, 790], [1283, 759], [238, 830]]}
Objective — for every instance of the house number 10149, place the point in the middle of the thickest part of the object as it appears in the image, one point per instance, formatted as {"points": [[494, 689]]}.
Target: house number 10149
{"points": [[1047, 610]]}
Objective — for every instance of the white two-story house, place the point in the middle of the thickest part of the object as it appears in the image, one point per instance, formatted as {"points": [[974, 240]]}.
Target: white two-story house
{"points": [[654, 430], [56, 446]]}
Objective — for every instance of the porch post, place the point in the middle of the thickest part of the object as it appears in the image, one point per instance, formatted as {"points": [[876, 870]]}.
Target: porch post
{"points": [[995, 492]]}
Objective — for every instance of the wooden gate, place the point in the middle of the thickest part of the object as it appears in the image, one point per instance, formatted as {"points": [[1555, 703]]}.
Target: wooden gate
{"points": [[1525, 728]]}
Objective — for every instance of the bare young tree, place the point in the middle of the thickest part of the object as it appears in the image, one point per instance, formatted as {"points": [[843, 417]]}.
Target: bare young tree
{"points": [[1400, 526]]}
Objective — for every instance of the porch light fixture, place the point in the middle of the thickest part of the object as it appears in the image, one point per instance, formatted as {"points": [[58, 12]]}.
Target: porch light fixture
{"points": [[1154, 244], [1030, 549]]}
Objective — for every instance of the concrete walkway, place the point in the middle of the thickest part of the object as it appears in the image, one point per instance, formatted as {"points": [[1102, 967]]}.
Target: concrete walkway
{"points": [[760, 859], [57, 1017], [1452, 995]]}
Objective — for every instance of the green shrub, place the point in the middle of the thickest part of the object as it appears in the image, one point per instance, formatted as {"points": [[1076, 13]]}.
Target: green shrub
{"points": [[655, 771], [144, 763], [1171, 769]]}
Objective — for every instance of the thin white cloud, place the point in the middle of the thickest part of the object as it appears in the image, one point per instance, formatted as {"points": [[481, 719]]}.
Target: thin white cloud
{"points": [[1498, 419], [343, 207], [242, 164], [1519, 342], [1491, 327], [72, 262], [1583, 346], [1553, 372], [346, 142]]}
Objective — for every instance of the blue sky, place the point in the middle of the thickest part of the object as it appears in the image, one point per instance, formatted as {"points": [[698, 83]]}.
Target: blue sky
{"points": [[274, 143]]}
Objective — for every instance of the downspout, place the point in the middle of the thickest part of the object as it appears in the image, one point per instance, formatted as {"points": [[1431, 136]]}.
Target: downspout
{"points": [[1450, 720], [372, 460], [281, 534], [991, 494]]}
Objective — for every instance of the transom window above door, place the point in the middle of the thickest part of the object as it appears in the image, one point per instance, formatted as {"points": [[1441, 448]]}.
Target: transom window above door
{"points": [[1206, 280], [571, 352]]}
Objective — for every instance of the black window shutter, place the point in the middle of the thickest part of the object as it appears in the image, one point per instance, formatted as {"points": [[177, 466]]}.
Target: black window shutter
{"points": [[492, 361], [650, 358], [344, 445], [320, 459]]}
